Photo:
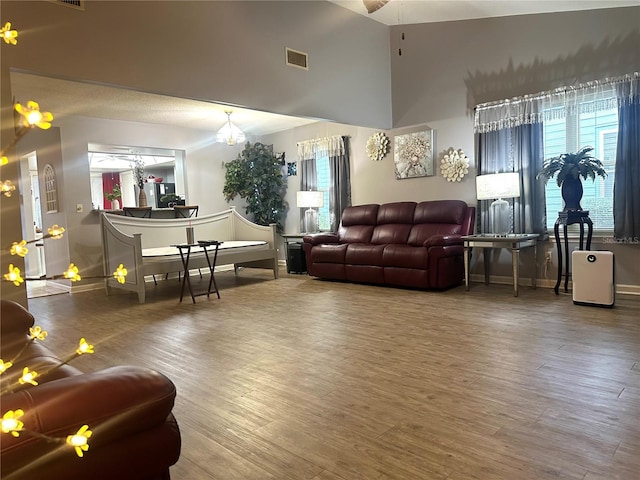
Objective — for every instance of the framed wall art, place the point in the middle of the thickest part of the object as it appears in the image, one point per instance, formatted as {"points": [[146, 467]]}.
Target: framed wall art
{"points": [[413, 155]]}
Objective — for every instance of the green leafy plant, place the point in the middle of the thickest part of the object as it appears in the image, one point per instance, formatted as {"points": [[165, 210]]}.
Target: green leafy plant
{"points": [[572, 165], [114, 194], [256, 176]]}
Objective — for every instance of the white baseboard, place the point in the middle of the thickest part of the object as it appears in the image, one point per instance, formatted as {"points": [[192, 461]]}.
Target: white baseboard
{"points": [[621, 289]]}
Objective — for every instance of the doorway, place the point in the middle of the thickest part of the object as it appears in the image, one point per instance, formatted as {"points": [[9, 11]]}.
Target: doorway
{"points": [[32, 231]]}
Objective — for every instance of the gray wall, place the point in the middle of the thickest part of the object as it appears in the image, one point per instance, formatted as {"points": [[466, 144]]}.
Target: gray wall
{"points": [[234, 53], [228, 52]]}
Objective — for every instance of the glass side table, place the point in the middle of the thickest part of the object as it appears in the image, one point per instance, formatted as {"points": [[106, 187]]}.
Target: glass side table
{"points": [[512, 241]]}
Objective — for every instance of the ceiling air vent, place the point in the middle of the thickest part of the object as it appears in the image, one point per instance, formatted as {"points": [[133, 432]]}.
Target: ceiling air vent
{"points": [[297, 59], [78, 4]]}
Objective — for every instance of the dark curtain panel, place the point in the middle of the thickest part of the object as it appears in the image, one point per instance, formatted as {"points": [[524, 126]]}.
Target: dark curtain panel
{"points": [[529, 210], [340, 191], [494, 156], [626, 193], [109, 179], [517, 149]]}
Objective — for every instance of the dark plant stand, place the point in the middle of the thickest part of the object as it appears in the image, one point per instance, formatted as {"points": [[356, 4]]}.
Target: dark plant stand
{"points": [[565, 218]]}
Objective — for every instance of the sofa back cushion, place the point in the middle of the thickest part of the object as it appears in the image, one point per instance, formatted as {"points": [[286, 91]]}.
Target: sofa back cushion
{"points": [[357, 223], [438, 217], [393, 223]]}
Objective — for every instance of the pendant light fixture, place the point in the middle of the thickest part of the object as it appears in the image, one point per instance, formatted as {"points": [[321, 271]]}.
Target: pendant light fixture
{"points": [[229, 133]]}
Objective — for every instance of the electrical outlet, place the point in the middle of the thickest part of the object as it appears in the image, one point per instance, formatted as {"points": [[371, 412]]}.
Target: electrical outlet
{"points": [[79, 208], [548, 256]]}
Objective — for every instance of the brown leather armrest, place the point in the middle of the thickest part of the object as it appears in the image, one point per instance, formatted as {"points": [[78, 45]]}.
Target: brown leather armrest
{"points": [[114, 402], [319, 238], [14, 318], [443, 240]]}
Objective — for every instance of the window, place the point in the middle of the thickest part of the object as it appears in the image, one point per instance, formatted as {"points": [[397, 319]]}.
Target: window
{"points": [[589, 125], [324, 184]]}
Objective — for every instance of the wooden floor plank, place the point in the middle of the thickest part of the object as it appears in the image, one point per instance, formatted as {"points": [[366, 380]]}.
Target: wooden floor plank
{"points": [[301, 379]]}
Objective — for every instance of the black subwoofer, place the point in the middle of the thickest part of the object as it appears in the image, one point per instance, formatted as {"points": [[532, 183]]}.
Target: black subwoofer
{"points": [[296, 262]]}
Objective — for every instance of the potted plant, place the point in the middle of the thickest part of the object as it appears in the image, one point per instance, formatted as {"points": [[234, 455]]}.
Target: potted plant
{"points": [[170, 200], [114, 197], [257, 177], [568, 168]]}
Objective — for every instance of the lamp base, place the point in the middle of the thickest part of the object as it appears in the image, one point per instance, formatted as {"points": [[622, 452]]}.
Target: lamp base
{"points": [[310, 221], [499, 216]]}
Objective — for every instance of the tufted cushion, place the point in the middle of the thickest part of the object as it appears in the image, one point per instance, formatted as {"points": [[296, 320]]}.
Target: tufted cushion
{"points": [[438, 217], [357, 223]]}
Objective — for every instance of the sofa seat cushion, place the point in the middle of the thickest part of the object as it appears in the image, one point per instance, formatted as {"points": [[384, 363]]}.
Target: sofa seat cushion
{"points": [[364, 254], [329, 253], [405, 256]]}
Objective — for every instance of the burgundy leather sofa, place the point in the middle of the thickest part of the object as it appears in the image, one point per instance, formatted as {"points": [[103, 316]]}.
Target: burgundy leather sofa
{"points": [[405, 244], [127, 408]]}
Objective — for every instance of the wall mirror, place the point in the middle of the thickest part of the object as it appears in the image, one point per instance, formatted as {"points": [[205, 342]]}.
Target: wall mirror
{"points": [[112, 165]]}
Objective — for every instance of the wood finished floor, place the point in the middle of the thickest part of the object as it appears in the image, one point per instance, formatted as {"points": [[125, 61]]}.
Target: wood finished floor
{"points": [[297, 378]]}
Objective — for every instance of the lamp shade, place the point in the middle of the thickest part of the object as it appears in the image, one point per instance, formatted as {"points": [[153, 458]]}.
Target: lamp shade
{"points": [[308, 199], [229, 133], [498, 185]]}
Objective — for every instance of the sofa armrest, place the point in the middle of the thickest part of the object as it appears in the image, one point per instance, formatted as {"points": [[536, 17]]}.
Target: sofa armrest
{"points": [[14, 318], [115, 403], [443, 240], [320, 238]]}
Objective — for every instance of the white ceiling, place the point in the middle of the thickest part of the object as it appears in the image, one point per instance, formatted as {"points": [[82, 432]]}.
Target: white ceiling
{"points": [[400, 12], [65, 98]]}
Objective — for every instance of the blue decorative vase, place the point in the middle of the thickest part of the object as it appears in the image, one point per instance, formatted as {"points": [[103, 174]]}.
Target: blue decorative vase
{"points": [[571, 193]]}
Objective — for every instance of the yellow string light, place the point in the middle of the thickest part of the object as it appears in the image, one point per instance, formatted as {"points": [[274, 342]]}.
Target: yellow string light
{"points": [[7, 188], [84, 347], [11, 424], [8, 35], [32, 116], [28, 376], [4, 160], [56, 232], [14, 275], [72, 273], [120, 274], [19, 248], [80, 441], [4, 366]]}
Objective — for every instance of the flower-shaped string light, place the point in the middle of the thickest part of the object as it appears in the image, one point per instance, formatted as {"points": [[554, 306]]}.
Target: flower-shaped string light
{"points": [[80, 441], [37, 333], [11, 424], [120, 274], [14, 275], [8, 35], [32, 116], [7, 188], [4, 160], [28, 376], [19, 248], [72, 273], [4, 366], [454, 165]]}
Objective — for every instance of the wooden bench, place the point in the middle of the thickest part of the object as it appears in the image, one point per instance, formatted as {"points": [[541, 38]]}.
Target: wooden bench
{"points": [[143, 246]]}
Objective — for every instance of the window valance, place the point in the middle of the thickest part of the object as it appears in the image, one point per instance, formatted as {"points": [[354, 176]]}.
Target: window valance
{"points": [[555, 104], [321, 147]]}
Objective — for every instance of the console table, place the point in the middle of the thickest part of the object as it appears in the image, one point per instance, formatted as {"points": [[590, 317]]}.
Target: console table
{"points": [[513, 241], [569, 218]]}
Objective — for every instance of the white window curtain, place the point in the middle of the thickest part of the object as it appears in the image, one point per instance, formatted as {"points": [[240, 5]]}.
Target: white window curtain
{"points": [[550, 105], [321, 147]]}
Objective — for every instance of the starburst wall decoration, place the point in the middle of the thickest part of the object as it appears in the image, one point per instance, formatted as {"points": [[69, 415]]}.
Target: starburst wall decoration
{"points": [[454, 165]]}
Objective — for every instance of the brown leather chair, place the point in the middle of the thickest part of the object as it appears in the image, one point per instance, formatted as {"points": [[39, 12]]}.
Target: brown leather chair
{"points": [[185, 211], [142, 212], [128, 409]]}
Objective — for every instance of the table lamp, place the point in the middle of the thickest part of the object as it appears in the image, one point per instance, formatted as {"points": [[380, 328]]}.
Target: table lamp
{"points": [[498, 186], [310, 200]]}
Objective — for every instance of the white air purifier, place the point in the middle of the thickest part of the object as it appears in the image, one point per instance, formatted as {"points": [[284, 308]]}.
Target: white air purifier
{"points": [[593, 278]]}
